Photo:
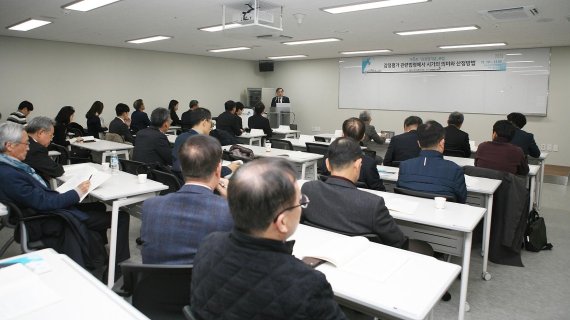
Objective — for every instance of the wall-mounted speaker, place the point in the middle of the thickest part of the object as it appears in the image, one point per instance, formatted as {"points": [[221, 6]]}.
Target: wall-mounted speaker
{"points": [[265, 66]]}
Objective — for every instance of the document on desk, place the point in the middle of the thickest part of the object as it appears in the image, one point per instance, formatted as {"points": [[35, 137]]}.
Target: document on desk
{"points": [[401, 205], [82, 173], [22, 292]]}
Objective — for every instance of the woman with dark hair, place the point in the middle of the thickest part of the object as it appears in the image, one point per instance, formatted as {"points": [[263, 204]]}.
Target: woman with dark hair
{"points": [[173, 107], [62, 120], [94, 127], [258, 121]]}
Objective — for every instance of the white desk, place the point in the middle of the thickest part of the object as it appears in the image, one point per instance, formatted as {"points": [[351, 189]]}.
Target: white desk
{"points": [[173, 129], [306, 163], [105, 147], [53, 154], [479, 193], [411, 283], [120, 190], [541, 159], [251, 138], [284, 133], [300, 145], [454, 222], [532, 174], [80, 295]]}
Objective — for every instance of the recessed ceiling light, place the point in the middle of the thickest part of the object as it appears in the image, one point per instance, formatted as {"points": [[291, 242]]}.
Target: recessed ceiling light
{"points": [[513, 54], [440, 30], [220, 27], [294, 43], [28, 25], [481, 45], [366, 51], [287, 57], [229, 49], [370, 5], [88, 5], [149, 39]]}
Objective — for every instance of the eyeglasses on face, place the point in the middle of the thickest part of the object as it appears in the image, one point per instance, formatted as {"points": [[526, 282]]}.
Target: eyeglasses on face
{"points": [[303, 203]]}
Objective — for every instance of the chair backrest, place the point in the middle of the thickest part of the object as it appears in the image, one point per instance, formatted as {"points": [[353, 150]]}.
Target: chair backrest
{"points": [[132, 167], [454, 153], [320, 139], [372, 237], [168, 179], [115, 137], [421, 194], [16, 220], [63, 158], [77, 129], [318, 149], [188, 313], [370, 153], [281, 144], [158, 291], [293, 126]]}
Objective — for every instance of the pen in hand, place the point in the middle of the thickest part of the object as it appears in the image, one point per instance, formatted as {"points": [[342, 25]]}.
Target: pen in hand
{"points": [[90, 178]]}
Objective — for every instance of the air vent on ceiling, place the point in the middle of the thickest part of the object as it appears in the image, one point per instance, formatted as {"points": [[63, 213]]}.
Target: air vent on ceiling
{"points": [[518, 13], [274, 37]]}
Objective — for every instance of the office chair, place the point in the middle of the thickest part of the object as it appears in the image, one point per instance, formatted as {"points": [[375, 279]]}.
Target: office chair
{"points": [[281, 144], [318, 149], [454, 153], [76, 129], [188, 313], [114, 137], [132, 167], [422, 194], [65, 157], [168, 179], [16, 220], [372, 237], [320, 139], [158, 291]]}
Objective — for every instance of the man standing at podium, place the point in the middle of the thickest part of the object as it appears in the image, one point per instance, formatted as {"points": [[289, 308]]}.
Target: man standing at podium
{"points": [[279, 98]]}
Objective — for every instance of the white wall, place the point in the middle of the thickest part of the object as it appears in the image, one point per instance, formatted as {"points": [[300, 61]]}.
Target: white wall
{"points": [[312, 86], [54, 74]]}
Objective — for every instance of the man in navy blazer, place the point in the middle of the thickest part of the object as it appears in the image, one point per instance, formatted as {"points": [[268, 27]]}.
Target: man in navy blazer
{"points": [[456, 140], [404, 146], [430, 172], [152, 146], [173, 225], [521, 138], [120, 125]]}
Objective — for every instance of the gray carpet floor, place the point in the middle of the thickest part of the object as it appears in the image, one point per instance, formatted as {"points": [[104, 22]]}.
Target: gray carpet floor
{"points": [[540, 290]]}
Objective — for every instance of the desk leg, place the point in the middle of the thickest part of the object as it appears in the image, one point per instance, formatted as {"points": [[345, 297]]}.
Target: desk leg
{"points": [[465, 274], [105, 155], [487, 235], [539, 186], [303, 170], [532, 192]]}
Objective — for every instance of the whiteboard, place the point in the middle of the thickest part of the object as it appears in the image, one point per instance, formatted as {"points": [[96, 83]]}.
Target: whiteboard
{"points": [[520, 87]]}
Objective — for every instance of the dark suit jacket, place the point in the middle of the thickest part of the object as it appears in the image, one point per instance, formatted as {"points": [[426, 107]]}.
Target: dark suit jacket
{"points": [[501, 155], [338, 205], [526, 141], [258, 121], [152, 146], [369, 174], [227, 121], [94, 126], [60, 135], [284, 99], [185, 120], [119, 127], [174, 117], [458, 140], [39, 159], [139, 121], [176, 169], [402, 147], [173, 225]]}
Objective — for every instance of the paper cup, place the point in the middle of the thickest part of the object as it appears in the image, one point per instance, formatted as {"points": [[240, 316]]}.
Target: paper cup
{"points": [[439, 202], [142, 177], [267, 147]]}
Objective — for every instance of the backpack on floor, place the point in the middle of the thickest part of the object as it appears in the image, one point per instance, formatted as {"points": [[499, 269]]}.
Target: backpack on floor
{"points": [[535, 234]]}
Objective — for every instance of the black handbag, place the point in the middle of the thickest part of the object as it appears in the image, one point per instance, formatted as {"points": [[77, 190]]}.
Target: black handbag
{"points": [[535, 236], [241, 153]]}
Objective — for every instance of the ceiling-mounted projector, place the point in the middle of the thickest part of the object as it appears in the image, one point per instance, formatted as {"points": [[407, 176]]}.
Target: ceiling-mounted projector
{"points": [[254, 17]]}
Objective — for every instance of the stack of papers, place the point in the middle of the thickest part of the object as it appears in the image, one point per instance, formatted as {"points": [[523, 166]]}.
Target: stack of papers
{"points": [[83, 173], [401, 205]]}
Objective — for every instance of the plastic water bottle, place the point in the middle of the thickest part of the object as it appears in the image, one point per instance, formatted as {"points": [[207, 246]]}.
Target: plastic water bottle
{"points": [[114, 162]]}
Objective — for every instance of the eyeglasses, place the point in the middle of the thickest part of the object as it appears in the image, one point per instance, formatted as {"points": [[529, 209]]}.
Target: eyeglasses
{"points": [[303, 203], [26, 143]]}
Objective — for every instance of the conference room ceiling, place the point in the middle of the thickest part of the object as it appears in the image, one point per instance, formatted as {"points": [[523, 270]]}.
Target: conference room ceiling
{"points": [[114, 24]]}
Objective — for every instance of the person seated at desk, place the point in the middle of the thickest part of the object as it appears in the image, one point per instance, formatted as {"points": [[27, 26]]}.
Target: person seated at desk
{"points": [[354, 128], [522, 138], [173, 107], [86, 223], [173, 225], [258, 121], [120, 125], [371, 136], [185, 120], [139, 118], [24, 110], [337, 204], [456, 140], [250, 272], [94, 127], [40, 131], [404, 146], [279, 97], [239, 111], [152, 146], [201, 123], [430, 172], [227, 120], [62, 120], [500, 154]]}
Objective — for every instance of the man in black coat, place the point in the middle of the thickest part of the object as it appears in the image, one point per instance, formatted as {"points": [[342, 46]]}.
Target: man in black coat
{"points": [[404, 146], [279, 97], [120, 125], [456, 140], [40, 130], [227, 120], [152, 146], [523, 139], [186, 118]]}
